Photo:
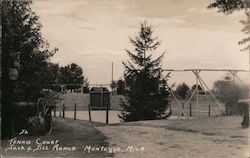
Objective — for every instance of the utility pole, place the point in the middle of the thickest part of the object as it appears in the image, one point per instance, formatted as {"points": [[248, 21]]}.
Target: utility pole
{"points": [[112, 79], [112, 72]]}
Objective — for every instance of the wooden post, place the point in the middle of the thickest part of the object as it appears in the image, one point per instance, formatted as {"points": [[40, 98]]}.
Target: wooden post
{"points": [[60, 112], [54, 112], [170, 108], [107, 114], [102, 106], [89, 113], [63, 110], [209, 110], [183, 109], [197, 93], [75, 111], [190, 109]]}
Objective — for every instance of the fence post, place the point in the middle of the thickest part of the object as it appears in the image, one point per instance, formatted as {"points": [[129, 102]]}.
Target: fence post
{"points": [[107, 114], [54, 112], [170, 108], [209, 110], [190, 109], [75, 111], [89, 113], [63, 110], [182, 109]]}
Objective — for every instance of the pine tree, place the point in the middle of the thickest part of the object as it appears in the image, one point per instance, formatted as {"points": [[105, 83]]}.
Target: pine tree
{"points": [[21, 36], [22, 33], [246, 30], [229, 6], [146, 96]]}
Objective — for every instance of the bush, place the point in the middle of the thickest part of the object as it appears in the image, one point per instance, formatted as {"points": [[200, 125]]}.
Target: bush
{"points": [[24, 111], [229, 93]]}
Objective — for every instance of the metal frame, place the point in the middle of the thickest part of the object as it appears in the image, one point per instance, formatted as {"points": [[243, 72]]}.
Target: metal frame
{"points": [[174, 96], [201, 82]]}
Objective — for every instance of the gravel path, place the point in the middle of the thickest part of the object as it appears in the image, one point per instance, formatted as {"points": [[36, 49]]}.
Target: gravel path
{"points": [[220, 137]]}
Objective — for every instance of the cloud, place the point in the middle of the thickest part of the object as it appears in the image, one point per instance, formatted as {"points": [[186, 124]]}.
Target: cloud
{"points": [[94, 33], [200, 11]]}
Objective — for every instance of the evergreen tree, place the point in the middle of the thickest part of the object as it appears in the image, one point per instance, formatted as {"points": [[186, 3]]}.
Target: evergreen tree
{"points": [[22, 33], [229, 6], [146, 96], [21, 40], [246, 31]]}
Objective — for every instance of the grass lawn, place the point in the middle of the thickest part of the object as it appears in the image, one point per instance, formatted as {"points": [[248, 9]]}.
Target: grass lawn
{"points": [[69, 133]]}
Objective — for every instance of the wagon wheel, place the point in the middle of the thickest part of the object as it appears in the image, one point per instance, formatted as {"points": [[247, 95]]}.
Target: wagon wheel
{"points": [[44, 116]]}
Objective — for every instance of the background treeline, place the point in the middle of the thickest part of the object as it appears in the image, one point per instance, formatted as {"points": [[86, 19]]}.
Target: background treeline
{"points": [[71, 76]]}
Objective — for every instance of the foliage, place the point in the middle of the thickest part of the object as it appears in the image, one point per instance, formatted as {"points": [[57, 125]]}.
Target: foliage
{"points": [[229, 93], [21, 32], [113, 85], [200, 90], [120, 87], [194, 87], [21, 36], [146, 96], [72, 75], [86, 86], [52, 97], [182, 90], [229, 6], [245, 30]]}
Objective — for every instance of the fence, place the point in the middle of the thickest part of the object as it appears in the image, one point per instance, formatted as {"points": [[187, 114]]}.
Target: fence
{"points": [[104, 116], [76, 106], [205, 109]]}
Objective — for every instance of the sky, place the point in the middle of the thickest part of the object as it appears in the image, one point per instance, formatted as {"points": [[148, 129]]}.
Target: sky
{"points": [[95, 33]]}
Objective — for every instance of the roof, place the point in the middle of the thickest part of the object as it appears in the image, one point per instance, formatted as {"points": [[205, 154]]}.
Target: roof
{"points": [[99, 89]]}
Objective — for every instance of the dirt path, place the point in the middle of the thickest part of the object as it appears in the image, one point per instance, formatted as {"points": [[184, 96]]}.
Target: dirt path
{"points": [[220, 137], [75, 138]]}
